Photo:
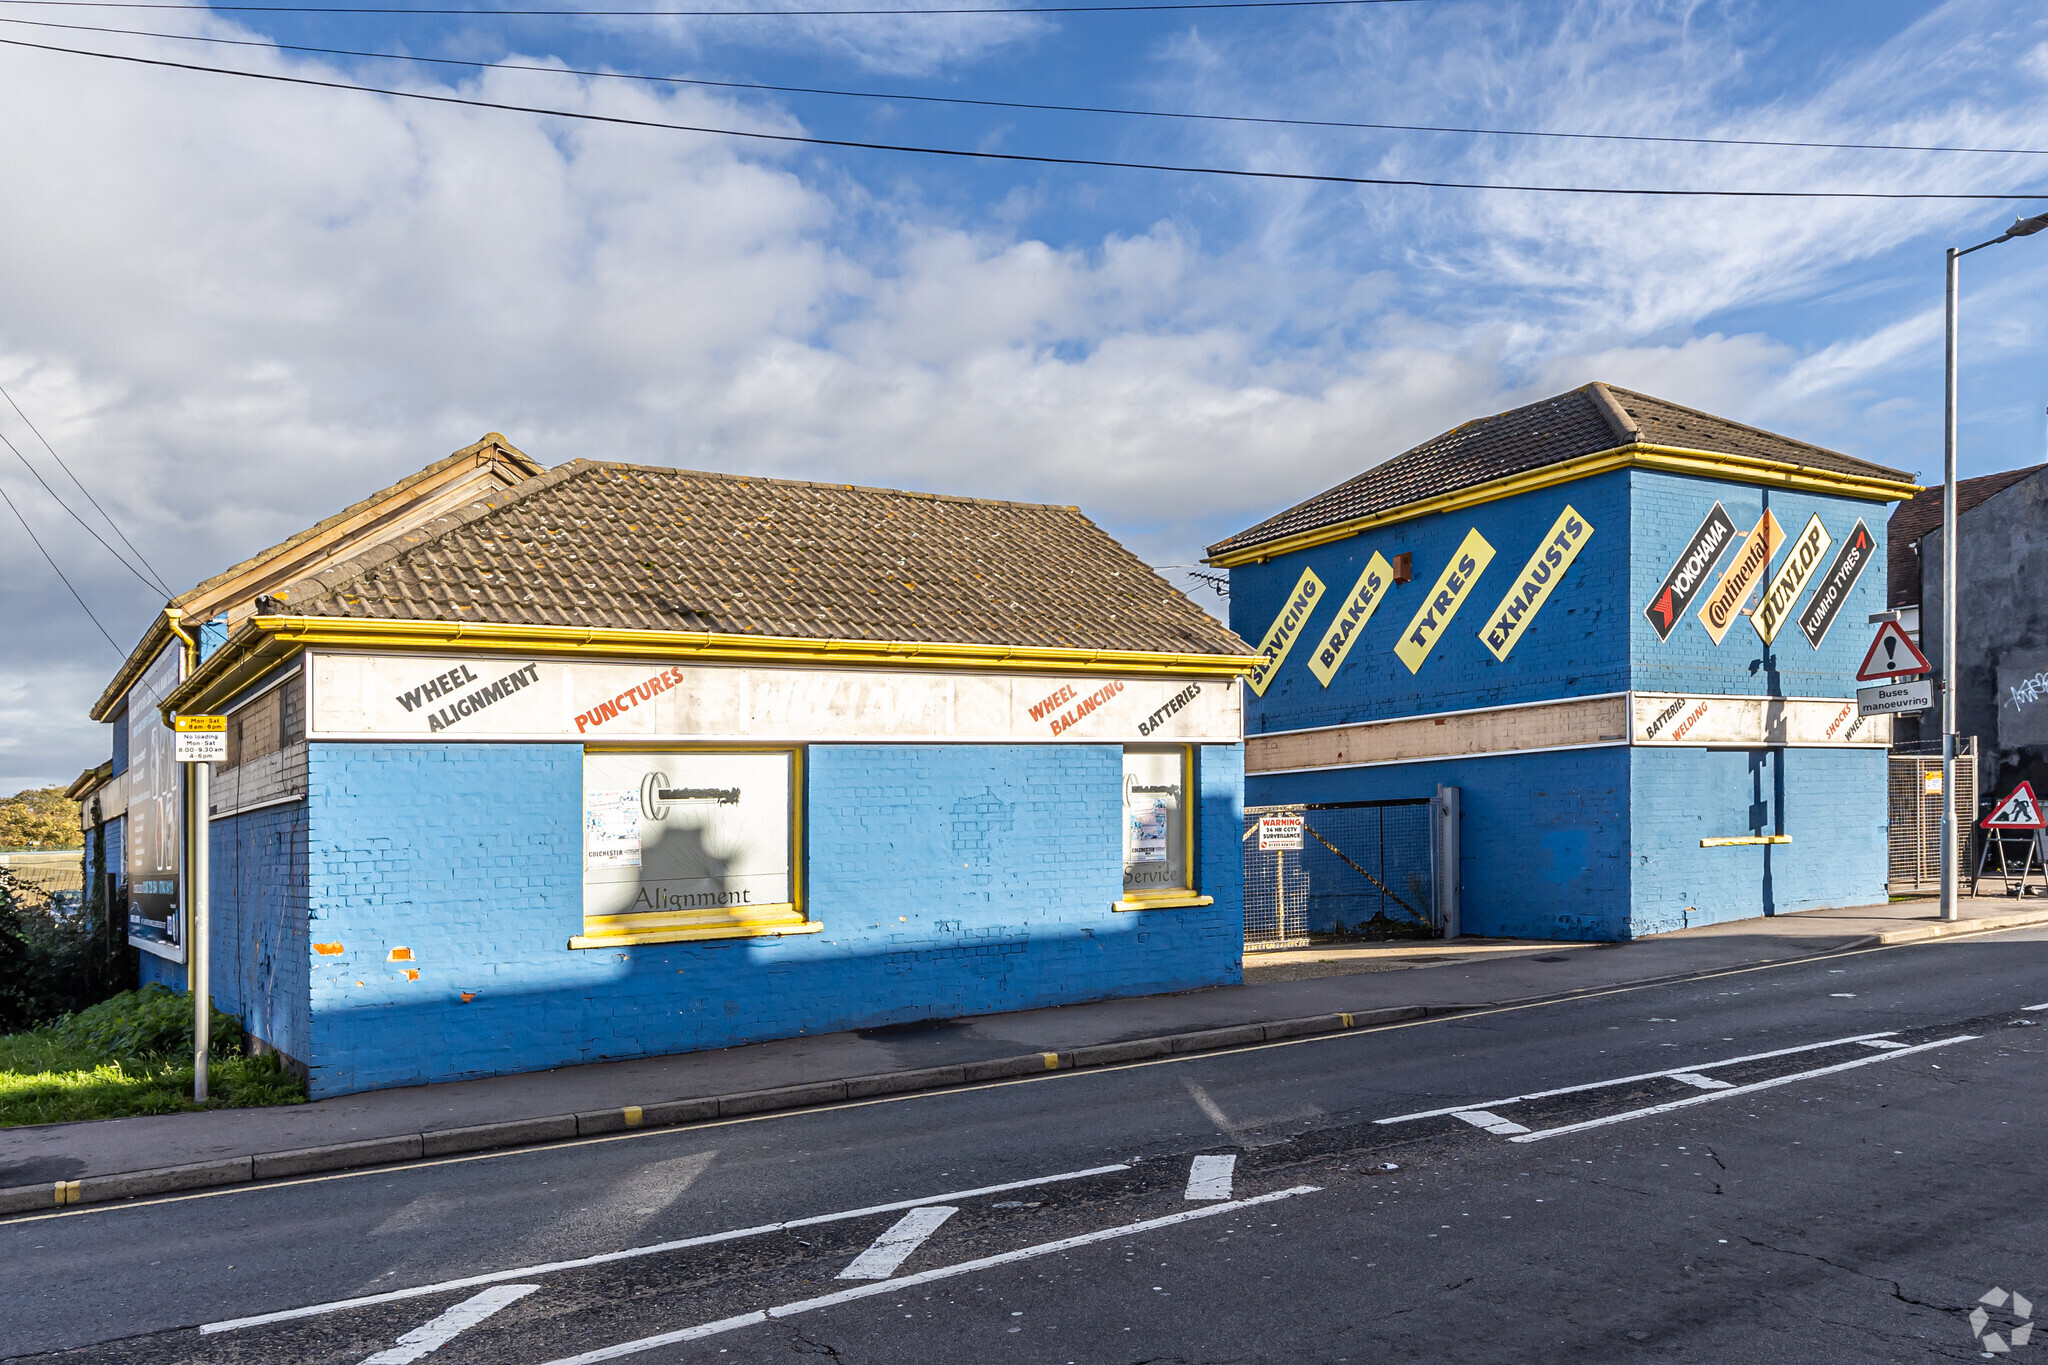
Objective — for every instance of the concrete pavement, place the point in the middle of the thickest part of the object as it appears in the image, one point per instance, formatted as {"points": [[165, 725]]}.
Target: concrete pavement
{"points": [[1333, 989]]}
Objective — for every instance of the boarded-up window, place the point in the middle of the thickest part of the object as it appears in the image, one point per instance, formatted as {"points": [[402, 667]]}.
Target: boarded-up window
{"points": [[267, 724]]}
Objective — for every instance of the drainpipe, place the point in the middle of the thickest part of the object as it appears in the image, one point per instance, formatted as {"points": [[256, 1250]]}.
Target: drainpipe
{"points": [[195, 875]]}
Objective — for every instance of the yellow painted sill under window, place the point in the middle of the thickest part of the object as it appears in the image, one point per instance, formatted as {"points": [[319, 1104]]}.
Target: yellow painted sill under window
{"points": [[1168, 900], [693, 926]]}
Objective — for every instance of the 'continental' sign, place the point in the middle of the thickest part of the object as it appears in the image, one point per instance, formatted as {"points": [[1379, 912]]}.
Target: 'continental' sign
{"points": [[1512, 618], [1366, 595], [1451, 589], [1724, 604], [1850, 562], [1286, 629], [1791, 579]]}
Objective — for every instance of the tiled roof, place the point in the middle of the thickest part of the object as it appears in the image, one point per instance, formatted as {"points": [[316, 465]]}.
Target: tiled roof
{"points": [[1921, 513], [1585, 421], [632, 547]]}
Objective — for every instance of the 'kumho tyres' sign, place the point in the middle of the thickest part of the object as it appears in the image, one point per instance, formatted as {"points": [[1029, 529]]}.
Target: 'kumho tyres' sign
{"points": [[1366, 595], [1446, 595], [1791, 579], [1517, 611], [1689, 573], [1285, 630], [379, 696], [1850, 562], [1744, 572]]}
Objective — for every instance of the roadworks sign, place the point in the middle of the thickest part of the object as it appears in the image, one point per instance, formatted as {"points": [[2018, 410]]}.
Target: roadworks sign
{"points": [[1892, 655], [2018, 811]]}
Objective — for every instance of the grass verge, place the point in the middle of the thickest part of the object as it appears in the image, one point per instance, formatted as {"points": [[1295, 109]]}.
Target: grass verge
{"points": [[119, 1059]]}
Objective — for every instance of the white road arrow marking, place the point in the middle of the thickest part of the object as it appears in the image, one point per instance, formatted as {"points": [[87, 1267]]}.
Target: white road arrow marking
{"points": [[1492, 1123], [1209, 1177], [463, 1316], [890, 1250], [1699, 1082]]}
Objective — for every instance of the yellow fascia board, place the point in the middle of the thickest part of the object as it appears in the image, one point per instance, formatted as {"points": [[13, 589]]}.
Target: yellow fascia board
{"points": [[239, 663], [1667, 459]]}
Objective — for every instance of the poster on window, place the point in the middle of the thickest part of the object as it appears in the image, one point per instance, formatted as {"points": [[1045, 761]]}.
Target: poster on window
{"points": [[155, 807], [686, 834], [1155, 819]]}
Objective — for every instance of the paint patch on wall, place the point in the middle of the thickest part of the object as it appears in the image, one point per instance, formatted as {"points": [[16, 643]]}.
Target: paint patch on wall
{"points": [[1287, 627], [1446, 595], [1357, 609], [1554, 555]]}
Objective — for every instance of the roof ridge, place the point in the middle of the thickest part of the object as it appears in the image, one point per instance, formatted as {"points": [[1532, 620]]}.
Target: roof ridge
{"points": [[822, 483], [333, 580], [1760, 431]]}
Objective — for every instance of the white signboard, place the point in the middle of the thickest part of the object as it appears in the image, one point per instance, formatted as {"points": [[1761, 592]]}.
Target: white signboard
{"points": [[680, 833], [1890, 699], [1281, 832], [202, 739], [378, 696], [1662, 718]]}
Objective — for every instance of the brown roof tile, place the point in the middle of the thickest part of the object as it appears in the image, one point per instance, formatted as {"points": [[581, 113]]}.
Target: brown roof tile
{"points": [[633, 547], [1584, 421]]}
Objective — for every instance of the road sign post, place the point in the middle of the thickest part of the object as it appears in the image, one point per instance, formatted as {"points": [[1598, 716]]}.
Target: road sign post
{"points": [[202, 741]]}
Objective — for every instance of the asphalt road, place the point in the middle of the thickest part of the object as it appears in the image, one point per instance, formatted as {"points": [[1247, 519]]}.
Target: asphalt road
{"points": [[1831, 1160]]}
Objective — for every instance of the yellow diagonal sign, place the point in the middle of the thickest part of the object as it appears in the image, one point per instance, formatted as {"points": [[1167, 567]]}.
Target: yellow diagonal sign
{"points": [[1802, 559], [1352, 614], [1745, 571], [1286, 629], [1451, 589], [1559, 547]]}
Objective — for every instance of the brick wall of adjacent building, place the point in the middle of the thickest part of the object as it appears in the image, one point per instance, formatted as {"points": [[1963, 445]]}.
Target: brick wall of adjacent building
{"points": [[258, 935], [949, 880]]}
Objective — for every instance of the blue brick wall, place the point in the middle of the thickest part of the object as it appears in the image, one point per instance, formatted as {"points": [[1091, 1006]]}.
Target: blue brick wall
{"points": [[1575, 648], [1666, 510], [1544, 837], [949, 879], [1831, 802], [258, 925]]}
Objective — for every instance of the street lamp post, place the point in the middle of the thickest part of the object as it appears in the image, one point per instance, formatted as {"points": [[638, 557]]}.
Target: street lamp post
{"points": [[2022, 227]]}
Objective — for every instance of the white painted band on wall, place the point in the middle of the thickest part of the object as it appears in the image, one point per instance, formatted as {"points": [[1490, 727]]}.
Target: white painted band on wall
{"points": [[473, 697]]}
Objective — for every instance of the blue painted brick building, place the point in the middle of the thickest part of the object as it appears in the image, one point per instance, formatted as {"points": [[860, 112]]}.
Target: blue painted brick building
{"points": [[610, 761], [1576, 640]]}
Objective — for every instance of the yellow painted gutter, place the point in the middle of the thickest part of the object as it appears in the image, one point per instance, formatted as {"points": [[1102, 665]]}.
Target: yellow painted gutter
{"points": [[1667, 459], [267, 641]]}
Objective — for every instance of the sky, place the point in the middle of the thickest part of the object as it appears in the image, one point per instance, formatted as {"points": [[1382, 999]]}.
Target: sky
{"points": [[234, 306]]}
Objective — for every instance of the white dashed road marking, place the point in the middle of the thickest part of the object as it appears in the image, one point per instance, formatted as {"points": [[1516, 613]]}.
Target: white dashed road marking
{"points": [[436, 1334], [788, 1310], [1492, 1123], [1749, 1089], [1694, 1079], [1209, 1177], [1484, 1105], [657, 1249], [893, 1247]]}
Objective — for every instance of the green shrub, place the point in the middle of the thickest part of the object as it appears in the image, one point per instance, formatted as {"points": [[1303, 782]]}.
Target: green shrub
{"points": [[153, 1022]]}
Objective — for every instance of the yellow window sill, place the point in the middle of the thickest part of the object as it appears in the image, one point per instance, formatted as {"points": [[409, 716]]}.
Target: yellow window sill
{"points": [[1184, 901], [1732, 841], [692, 934]]}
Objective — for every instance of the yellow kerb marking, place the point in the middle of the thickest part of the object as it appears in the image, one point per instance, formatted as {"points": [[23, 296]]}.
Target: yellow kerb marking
{"points": [[1346, 1018], [632, 1113], [67, 1192], [1052, 1060]]}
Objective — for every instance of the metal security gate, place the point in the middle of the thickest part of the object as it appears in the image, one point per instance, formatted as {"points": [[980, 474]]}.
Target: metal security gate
{"points": [[1915, 839], [1364, 869]]}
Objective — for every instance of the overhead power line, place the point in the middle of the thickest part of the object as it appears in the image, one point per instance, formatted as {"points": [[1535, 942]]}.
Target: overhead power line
{"points": [[1165, 5], [966, 154], [902, 97], [36, 474], [54, 569], [112, 525]]}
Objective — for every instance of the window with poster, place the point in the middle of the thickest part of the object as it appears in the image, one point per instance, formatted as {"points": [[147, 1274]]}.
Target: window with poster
{"points": [[1159, 827], [696, 842]]}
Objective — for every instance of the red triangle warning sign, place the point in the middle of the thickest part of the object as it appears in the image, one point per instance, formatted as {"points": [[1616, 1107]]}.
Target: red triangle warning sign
{"points": [[1892, 655], [2018, 811]]}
